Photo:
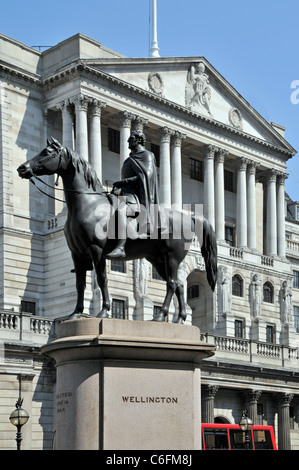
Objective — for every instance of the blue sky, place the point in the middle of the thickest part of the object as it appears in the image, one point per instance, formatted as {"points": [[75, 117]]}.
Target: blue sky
{"points": [[253, 44]]}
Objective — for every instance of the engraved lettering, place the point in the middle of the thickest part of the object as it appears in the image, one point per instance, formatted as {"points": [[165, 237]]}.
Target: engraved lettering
{"points": [[145, 399]]}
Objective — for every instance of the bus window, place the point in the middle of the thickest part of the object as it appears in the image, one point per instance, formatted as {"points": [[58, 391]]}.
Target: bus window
{"points": [[215, 439], [237, 439], [262, 440]]}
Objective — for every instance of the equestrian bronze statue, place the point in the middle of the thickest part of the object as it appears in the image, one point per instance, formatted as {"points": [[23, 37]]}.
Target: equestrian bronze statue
{"points": [[127, 226]]}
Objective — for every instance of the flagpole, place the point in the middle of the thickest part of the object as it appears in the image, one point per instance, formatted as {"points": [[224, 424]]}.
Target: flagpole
{"points": [[154, 44]]}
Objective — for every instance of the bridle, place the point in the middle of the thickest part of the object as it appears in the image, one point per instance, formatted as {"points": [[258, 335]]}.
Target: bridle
{"points": [[46, 184], [57, 182]]}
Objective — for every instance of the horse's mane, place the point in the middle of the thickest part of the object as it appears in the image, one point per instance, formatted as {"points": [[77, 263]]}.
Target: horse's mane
{"points": [[89, 173]]}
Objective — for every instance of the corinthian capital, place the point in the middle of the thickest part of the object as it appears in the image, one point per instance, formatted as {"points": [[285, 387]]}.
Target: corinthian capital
{"points": [[96, 107], [210, 151]]}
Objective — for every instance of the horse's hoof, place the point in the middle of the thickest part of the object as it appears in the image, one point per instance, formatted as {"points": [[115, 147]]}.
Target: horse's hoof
{"points": [[159, 318], [180, 320], [73, 316], [103, 314]]}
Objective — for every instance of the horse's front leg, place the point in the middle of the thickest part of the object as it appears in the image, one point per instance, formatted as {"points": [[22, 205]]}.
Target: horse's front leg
{"points": [[80, 271], [99, 262]]}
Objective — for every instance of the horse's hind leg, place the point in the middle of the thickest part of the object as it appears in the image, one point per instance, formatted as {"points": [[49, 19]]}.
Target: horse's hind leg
{"points": [[174, 286], [181, 300], [99, 262]]}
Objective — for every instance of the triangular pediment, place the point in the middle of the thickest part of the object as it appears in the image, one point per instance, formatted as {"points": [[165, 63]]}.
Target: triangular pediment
{"points": [[194, 84]]}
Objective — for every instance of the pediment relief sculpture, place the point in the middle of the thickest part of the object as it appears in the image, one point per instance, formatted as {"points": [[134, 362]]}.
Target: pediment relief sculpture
{"points": [[198, 91], [235, 118], [155, 83]]}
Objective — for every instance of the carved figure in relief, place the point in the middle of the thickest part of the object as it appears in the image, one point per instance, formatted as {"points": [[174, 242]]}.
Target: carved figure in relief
{"points": [[255, 296], [286, 304], [141, 272], [198, 91], [225, 290]]}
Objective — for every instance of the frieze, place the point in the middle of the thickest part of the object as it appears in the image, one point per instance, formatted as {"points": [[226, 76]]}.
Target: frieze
{"points": [[240, 377]]}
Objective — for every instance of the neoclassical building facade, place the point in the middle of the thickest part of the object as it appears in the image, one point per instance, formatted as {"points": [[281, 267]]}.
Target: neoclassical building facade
{"points": [[212, 149]]}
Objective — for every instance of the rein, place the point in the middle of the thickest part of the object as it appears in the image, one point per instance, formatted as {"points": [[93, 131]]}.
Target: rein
{"points": [[59, 189]]}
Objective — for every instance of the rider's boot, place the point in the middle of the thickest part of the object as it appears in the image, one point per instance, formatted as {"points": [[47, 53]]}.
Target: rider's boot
{"points": [[119, 250]]}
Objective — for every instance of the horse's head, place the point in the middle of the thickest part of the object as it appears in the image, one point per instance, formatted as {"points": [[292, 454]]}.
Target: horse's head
{"points": [[47, 162]]}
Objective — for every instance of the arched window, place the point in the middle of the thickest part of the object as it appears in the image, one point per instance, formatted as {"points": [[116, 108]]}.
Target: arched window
{"points": [[237, 285], [268, 292]]}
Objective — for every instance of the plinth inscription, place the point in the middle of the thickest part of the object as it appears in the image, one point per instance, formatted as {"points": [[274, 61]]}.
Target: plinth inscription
{"points": [[133, 399], [62, 401]]}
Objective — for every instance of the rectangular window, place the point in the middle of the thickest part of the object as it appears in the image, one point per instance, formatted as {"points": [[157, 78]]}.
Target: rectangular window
{"points": [[296, 317], [296, 279], [270, 334], [239, 329], [118, 309], [229, 235], [195, 169], [113, 140], [118, 266], [193, 292], [28, 307], [228, 180], [155, 149]]}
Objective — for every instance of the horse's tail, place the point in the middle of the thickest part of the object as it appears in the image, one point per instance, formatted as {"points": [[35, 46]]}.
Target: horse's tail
{"points": [[208, 249]]}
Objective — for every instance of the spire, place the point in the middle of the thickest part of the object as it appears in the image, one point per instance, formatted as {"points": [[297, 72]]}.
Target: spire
{"points": [[154, 45]]}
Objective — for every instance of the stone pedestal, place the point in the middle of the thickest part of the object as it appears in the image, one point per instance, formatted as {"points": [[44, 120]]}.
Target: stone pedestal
{"points": [[127, 385]]}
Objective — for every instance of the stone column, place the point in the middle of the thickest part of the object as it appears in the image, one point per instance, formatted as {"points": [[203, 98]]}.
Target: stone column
{"points": [[251, 206], [81, 106], [125, 120], [176, 169], [95, 136], [219, 195], [209, 201], [251, 398], [271, 216], [165, 181], [284, 435], [241, 221], [208, 401], [67, 124], [281, 215]]}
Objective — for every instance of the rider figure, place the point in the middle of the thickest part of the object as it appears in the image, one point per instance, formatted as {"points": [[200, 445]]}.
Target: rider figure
{"points": [[139, 185]]}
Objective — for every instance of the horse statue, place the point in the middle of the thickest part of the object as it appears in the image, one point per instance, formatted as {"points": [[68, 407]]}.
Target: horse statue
{"points": [[91, 213]]}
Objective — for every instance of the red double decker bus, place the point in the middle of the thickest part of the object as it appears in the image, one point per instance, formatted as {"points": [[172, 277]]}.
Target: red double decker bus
{"points": [[231, 437]]}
